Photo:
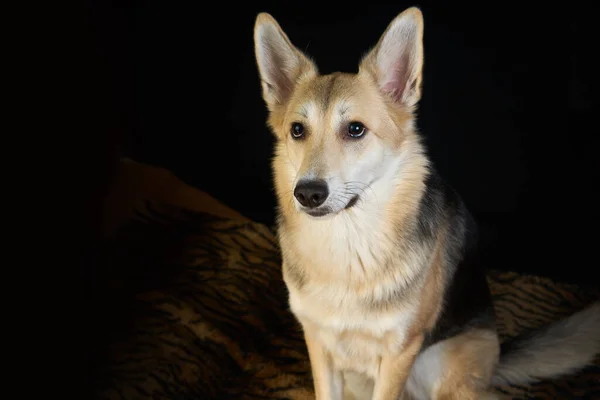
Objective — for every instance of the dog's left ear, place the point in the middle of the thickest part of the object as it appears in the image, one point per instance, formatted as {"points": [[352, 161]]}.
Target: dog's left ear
{"points": [[280, 64], [396, 62]]}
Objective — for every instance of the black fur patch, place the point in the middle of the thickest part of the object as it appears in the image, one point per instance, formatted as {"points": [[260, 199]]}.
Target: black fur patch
{"points": [[467, 299]]}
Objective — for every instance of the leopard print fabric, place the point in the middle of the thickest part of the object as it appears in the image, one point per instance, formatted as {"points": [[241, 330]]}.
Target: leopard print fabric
{"points": [[194, 307]]}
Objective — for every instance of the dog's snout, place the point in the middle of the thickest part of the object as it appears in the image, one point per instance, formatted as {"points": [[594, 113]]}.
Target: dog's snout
{"points": [[312, 193]]}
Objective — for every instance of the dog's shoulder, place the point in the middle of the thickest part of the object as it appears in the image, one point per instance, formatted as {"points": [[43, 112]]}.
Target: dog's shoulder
{"points": [[466, 300]]}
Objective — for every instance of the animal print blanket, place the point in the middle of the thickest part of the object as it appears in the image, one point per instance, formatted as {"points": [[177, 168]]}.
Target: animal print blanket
{"points": [[193, 305]]}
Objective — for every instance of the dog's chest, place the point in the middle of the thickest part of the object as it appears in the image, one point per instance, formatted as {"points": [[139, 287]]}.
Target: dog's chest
{"points": [[355, 337], [337, 284]]}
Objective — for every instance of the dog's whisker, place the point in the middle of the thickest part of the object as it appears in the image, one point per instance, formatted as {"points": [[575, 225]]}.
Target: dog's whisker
{"points": [[362, 188]]}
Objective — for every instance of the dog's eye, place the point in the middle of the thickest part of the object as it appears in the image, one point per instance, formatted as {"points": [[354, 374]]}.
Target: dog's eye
{"points": [[356, 129], [297, 130]]}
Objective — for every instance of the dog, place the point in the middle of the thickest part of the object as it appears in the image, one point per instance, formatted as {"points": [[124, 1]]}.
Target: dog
{"points": [[379, 254]]}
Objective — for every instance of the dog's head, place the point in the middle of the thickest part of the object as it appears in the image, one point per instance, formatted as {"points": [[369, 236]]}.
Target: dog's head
{"points": [[339, 134]]}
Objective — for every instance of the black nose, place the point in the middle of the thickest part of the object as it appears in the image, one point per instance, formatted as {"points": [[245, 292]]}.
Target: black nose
{"points": [[311, 194]]}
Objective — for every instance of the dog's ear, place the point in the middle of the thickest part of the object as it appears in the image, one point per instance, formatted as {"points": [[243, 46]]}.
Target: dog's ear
{"points": [[280, 64], [396, 62]]}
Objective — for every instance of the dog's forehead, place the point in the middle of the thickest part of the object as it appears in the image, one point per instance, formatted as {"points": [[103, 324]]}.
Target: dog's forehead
{"points": [[327, 94]]}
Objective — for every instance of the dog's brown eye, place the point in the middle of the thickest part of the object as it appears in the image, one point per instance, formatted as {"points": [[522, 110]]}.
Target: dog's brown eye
{"points": [[297, 130], [356, 129]]}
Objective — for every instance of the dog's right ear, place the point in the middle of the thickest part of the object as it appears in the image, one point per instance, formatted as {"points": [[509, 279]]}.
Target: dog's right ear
{"points": [[280, 64], [396, 62]]}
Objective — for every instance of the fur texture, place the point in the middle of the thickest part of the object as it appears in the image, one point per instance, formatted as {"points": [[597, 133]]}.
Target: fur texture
{"points": [[379, 253], [558, 349]]}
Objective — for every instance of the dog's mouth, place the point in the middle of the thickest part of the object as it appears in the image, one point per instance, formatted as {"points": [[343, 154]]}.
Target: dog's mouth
{"points": [[352, 202], [323, 211], [319, 212]]}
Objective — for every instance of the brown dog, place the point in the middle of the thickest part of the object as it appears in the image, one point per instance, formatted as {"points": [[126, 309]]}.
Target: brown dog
{"points": [[379, 253]]}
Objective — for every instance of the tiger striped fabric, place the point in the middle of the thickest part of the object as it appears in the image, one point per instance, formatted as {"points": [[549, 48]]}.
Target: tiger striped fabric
{"points": [[196, 307]]}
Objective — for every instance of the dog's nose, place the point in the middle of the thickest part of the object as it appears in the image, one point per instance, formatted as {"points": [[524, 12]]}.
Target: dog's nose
{"points": [[311, 194]]}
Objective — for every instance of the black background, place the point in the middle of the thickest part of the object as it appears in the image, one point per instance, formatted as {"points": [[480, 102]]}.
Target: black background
{"points": [[508, 107]]}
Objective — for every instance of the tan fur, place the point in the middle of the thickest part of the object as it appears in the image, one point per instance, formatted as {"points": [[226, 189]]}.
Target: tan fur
{"points": [[327, 378], [469, 362], [431, 294], [394, 369], [363, 293], [429, 299], [320, 141]]}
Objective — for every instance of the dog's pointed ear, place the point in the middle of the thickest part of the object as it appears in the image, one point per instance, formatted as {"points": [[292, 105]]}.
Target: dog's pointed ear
{"points": [[396, 62], [280, 64]]}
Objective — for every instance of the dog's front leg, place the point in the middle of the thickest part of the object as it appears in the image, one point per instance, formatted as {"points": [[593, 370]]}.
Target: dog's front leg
{"points": [[328, 381], [394, 369]]}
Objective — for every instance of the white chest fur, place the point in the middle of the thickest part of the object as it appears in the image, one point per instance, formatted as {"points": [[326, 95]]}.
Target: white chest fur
{"points": [[355, 337], [343, 264]]}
